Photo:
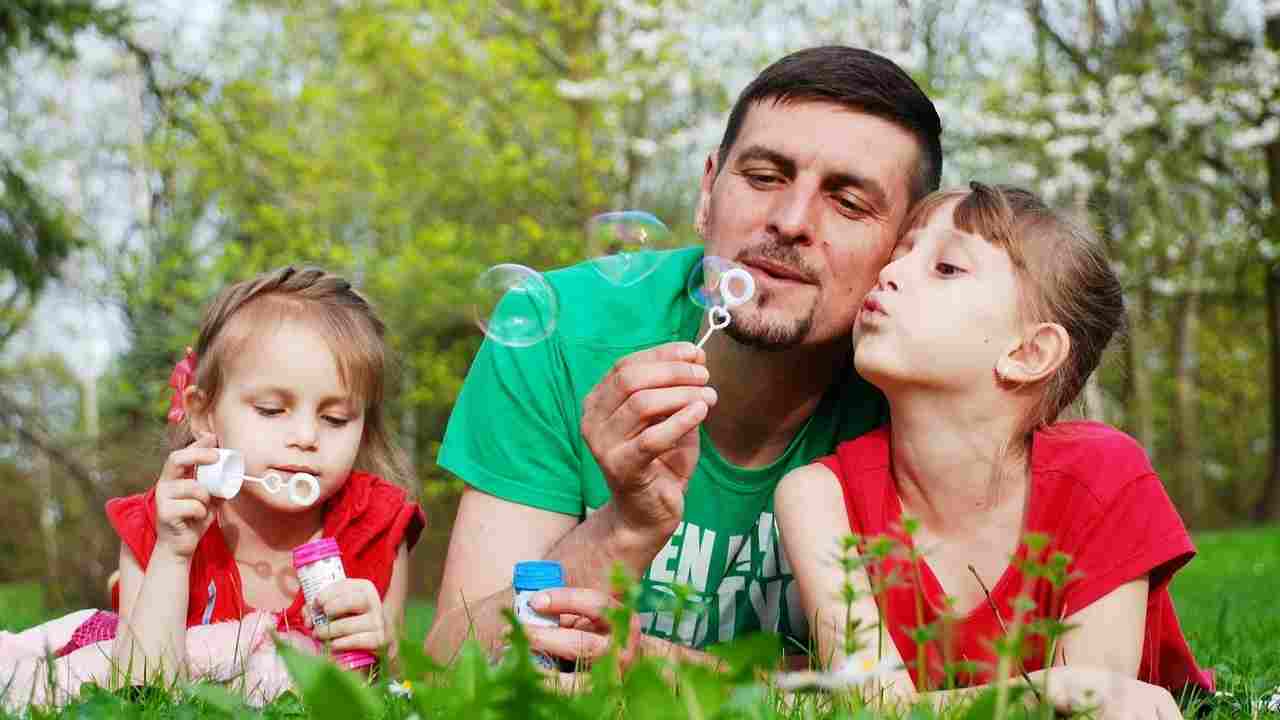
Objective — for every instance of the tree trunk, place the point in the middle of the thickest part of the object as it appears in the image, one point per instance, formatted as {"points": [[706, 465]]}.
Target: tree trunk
{"points": [[1268, 506], [1186, 428], [1141, 416]]}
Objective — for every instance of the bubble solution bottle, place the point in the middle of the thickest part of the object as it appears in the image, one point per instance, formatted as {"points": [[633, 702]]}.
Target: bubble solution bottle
{"points": [[530, 578], [319, 565]]}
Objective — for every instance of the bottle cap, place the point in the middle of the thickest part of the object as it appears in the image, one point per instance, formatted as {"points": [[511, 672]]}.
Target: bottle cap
{"points": [[537, 575], [310, 552], [223, 478], [355, 659]]}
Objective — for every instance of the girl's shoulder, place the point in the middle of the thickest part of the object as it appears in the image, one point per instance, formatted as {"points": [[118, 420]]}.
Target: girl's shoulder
{"points": [[369, 508], [867, 451], [1093, 456], [133, 517]]}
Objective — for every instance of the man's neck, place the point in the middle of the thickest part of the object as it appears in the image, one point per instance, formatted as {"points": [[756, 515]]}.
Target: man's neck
{"points": [[955, 459], [766, 397]]}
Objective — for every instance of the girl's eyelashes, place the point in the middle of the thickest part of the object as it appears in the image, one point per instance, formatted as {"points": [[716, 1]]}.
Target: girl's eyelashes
{"points": [[948, 270], [332, 420]]}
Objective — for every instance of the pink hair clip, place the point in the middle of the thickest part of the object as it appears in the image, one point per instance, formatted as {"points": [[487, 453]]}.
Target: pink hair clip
{"points": [[181, 378]]}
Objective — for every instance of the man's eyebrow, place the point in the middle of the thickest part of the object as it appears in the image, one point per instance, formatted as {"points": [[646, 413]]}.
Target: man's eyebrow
{"points": [[868, 185], [785, 165]]}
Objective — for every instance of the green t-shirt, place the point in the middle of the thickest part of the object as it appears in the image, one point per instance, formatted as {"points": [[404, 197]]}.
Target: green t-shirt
{"points": [[514, 433]]}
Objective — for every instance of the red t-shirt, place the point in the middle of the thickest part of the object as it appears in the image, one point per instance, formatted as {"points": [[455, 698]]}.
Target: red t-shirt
{"points": [[368, 516], [1095, 496]]}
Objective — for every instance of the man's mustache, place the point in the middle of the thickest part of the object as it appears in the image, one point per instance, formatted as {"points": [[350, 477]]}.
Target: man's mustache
{"points": [[780, 254]]}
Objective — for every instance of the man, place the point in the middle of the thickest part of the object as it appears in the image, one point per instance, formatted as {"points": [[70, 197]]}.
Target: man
{"points": [[619, 441]]}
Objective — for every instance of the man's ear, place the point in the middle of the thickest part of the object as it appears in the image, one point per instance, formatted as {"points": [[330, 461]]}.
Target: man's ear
{"points": [[195, 402], [1042, 350], [708, 182]]}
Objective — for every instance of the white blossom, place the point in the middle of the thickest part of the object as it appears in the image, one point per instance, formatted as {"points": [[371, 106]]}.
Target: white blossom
{"points": [[592, 89], [1253, 137], [850, 674], [644, 147]]}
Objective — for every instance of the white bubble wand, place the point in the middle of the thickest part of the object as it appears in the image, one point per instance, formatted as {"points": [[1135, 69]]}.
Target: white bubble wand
{"points": [[736, 286], [225, 477]]}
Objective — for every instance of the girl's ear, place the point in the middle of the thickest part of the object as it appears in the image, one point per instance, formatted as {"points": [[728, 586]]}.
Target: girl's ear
{"points": [[199, 414], [1043, 349]]}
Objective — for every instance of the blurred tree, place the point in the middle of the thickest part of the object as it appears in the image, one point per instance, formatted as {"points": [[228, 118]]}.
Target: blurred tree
{"points": [[1092, 120], [35, 233]]}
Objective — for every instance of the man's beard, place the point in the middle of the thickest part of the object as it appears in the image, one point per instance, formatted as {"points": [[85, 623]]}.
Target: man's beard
{"points": [[751, 329]]}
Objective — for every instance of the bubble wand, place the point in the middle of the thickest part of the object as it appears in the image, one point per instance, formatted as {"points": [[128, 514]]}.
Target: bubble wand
{"points": [[225, 478], [735, 287]]}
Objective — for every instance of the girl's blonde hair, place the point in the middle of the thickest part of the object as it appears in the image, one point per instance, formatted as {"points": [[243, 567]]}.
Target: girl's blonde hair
{"points": [[1063, 275], [331, 307]]}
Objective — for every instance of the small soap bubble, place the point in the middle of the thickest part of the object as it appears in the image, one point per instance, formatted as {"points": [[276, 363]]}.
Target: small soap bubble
{"points": [[625, 246], [718, 282], [515, 305]]}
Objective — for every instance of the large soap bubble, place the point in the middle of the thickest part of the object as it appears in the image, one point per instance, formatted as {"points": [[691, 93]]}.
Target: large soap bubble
{"points": [[515, 305], [625, 246], [718, 282]]}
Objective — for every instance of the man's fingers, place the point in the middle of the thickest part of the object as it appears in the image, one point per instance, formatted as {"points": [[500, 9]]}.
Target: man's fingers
{"points": [[647, 407], [569, 644], [632, 457], [666, 352], [584, 602], [642, 371]]}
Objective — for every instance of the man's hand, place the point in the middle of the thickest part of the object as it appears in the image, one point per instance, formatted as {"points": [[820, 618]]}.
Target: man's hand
{"points": [[641, 423], [584, 633]]}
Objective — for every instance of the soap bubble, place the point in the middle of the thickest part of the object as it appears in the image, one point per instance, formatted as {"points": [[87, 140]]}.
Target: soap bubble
{"points": [[625, 246], [717, 282], [515, 305]]}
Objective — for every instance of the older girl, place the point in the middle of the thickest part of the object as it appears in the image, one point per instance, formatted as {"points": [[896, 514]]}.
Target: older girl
{"points": [[984, 326]]}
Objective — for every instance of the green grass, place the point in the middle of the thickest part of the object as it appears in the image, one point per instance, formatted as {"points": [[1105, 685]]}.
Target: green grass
{"points": [[1228, 601]]}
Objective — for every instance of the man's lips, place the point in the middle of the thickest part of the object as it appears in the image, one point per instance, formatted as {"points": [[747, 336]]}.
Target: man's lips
{"points": [[777, 270]]}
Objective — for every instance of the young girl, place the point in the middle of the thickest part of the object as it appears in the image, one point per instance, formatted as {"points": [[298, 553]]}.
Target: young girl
{"points": [[288, 370], [987, 321]]}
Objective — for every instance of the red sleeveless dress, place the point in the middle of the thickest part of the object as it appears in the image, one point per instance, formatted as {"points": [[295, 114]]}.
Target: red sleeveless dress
{"points": [[1094, 494], [369, 517]]}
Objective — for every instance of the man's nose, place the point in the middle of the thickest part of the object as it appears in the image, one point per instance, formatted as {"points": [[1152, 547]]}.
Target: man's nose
{"points": [[793, 216]]}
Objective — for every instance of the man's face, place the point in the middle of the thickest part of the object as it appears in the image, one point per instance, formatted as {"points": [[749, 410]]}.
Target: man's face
{"points": [[809, 200]]}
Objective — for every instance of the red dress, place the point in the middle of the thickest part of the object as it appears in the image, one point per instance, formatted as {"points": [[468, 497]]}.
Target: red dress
{"points": [[1094, 494], [368, 516]]}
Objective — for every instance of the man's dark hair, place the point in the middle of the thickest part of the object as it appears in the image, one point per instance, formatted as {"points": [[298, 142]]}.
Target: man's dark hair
{"points": [[855, 79]]}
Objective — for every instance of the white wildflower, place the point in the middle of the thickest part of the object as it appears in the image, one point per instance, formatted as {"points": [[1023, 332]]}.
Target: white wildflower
{"points": [[851, 674], [402, 689]]}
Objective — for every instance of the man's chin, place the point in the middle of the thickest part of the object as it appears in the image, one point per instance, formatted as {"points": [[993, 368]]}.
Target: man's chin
{"points": [[773, 336]]}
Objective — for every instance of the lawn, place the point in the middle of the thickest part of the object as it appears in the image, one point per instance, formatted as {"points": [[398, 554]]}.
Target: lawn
{"points": [[1228, 601]]}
